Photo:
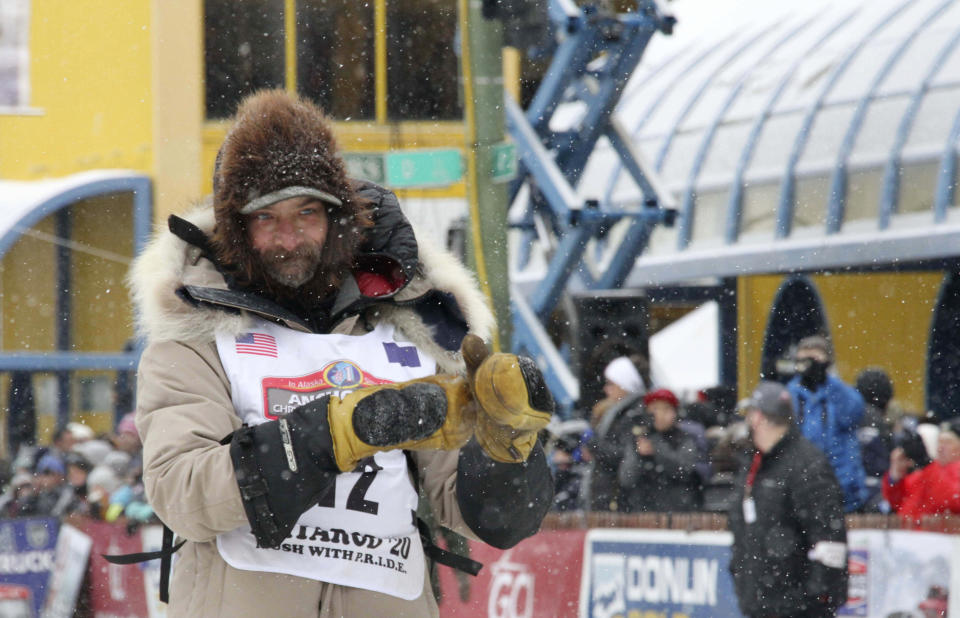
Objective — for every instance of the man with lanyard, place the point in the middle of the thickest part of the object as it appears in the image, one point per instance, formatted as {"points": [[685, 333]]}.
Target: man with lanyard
{"points": [[789, 536], [311, 365]]}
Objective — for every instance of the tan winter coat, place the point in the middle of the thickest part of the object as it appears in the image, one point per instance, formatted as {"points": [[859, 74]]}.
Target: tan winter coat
{"points": [[184, 410]]}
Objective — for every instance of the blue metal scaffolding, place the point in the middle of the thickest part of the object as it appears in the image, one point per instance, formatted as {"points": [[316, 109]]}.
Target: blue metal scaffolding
{"points": [[590, 67]]}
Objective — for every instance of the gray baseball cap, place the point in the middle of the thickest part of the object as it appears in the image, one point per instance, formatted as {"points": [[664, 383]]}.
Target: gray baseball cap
{"points": [[270, 199], [772, 399]]}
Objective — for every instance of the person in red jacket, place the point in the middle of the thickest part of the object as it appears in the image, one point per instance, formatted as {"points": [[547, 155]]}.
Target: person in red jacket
{"points": [[929, 490]]}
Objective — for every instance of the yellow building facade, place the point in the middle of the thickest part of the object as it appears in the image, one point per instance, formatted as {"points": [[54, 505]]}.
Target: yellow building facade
{"points": [[101, 85], [874, 320]]}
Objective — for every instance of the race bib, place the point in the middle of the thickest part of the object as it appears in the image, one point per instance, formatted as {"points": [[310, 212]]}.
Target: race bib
{"points": [[362, 534]]}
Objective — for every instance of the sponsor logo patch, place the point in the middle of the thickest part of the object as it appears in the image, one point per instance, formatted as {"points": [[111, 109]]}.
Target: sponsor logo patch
{"points": [[282, 395]]}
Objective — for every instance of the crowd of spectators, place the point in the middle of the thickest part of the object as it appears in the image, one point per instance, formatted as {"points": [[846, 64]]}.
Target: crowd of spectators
{"points": [[639, 449], [79, 473], [642, 449]]}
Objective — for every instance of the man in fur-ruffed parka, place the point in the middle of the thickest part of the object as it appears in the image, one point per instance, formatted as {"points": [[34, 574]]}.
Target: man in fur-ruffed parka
{"points": [[311, 364]]}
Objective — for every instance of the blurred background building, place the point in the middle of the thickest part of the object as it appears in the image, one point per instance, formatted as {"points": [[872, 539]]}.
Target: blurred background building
{"points": [[810, 150]]}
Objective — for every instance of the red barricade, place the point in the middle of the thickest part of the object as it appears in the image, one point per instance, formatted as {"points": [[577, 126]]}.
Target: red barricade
{"points": [[115, 590], [538, 577]]}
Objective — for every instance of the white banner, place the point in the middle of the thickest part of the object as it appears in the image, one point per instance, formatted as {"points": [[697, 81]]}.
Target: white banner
{"points": [[69, 567], [152, 539], [901, 573]]}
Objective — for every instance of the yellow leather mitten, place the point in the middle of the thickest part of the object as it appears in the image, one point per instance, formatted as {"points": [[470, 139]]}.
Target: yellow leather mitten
{"points": [[514, 403], [432, 413]]}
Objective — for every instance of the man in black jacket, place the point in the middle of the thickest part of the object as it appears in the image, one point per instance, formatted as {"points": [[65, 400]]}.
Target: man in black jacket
{"points": [[789, 536]]}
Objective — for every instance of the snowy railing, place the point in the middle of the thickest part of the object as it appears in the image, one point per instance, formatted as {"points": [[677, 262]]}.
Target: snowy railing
{"points": [[947, 522]]}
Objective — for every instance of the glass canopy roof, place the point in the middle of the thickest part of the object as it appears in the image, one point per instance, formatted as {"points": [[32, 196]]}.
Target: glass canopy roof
{"points": [[841, 119]]}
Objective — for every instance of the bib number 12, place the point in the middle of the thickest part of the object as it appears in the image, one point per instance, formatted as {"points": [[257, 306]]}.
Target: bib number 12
{"points": [[356, 499]]}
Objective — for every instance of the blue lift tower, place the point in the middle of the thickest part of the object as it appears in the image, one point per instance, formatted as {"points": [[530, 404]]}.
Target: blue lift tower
{"points": [[596, 50]]}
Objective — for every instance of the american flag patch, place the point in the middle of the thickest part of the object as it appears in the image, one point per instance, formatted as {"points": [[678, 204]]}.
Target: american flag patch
{"points": [[257, 343]]}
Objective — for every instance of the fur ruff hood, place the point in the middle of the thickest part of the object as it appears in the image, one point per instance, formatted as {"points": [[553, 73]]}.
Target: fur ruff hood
{"points": [[280, 141], [168, 263]]}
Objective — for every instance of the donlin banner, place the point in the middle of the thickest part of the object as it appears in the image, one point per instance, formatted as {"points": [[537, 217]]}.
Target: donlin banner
{"points": [[661, 573]]}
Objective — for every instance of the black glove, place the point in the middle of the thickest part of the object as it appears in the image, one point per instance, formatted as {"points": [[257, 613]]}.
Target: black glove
{"points": [[503, 503], [284, 467], [391, 236]]}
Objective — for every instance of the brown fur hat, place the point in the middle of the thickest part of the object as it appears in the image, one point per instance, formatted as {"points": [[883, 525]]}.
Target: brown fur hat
{"points": [[280, 140]]}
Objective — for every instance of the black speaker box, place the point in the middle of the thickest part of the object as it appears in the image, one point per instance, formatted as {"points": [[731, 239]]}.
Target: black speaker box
{"points": [[604, 327]]}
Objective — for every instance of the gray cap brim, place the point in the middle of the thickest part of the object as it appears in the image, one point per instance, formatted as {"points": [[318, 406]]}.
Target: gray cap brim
{"points": [[286, 193]]}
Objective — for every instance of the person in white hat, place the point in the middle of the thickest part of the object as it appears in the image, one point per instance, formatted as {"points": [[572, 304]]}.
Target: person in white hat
{"points": [[611, 420]]}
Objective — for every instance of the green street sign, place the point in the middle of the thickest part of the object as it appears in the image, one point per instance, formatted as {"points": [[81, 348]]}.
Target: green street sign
{"points": [[365, 166], [423, 168], [503, 165]]}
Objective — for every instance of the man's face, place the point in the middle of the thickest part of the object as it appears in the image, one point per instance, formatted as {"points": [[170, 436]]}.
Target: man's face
{"points": [[76, 476], [288, 236], [815, 354], [47, 480], [753, 417], [948, 448], [613, 391], [664, 415], [127, 442], [66, 442]]}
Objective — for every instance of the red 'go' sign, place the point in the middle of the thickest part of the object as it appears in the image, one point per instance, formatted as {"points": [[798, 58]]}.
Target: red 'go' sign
{"points": [[538, 577]]}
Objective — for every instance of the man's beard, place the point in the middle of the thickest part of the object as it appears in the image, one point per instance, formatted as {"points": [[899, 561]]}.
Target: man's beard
{"points": [[292, 268]]}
